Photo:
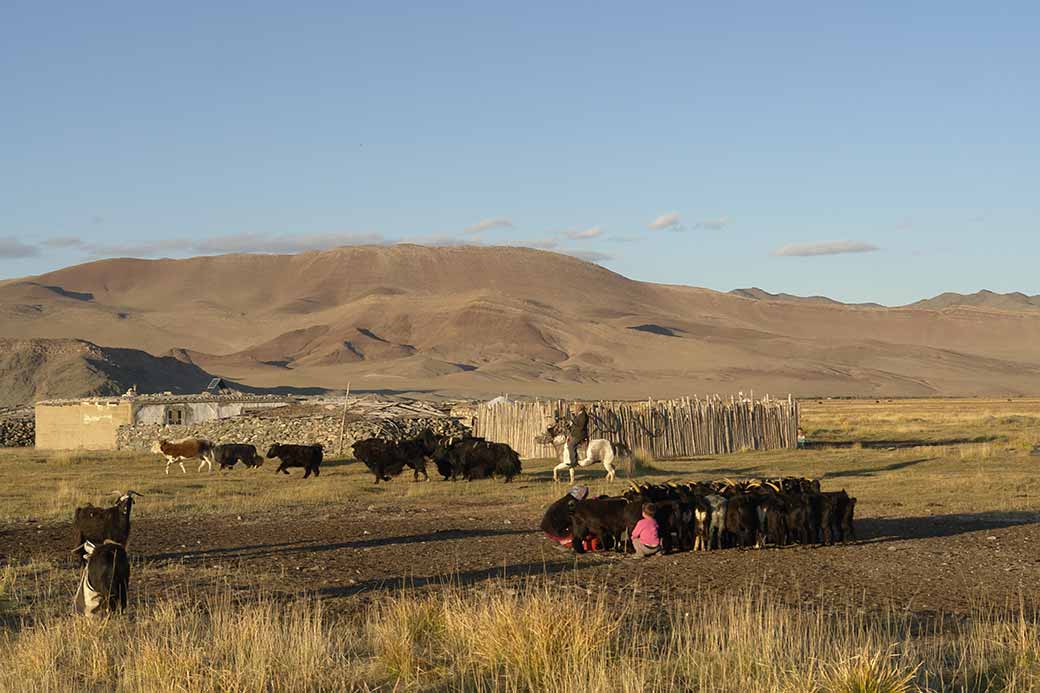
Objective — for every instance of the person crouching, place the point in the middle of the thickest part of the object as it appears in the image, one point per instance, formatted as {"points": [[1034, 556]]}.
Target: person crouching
{"points": [[645, 538]]}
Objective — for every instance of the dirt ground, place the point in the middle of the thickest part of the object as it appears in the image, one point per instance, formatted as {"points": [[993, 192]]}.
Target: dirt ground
{"points": [[353, 552], [948, 520]]}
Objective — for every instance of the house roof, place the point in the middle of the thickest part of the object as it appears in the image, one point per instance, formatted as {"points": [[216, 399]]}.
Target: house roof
{"points": [[171, 399]]}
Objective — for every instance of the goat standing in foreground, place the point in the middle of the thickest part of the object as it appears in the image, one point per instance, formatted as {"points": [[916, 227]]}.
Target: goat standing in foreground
{"points": [[98, 525], [105, 584]]}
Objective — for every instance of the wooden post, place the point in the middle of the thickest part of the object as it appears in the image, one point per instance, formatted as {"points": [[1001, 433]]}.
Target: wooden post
{"points": [[343, 418]]}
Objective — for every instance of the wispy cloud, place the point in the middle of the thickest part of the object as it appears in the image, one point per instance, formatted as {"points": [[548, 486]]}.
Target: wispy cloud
{"points": [[826, 248], [489, 225], [668, 221], [14, 248], [673, 222], [585, 234], [63, 242]]}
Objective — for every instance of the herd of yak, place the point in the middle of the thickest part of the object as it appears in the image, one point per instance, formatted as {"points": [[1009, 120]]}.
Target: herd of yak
{"points": [[706, 515], [690, 516], [466, 457]]}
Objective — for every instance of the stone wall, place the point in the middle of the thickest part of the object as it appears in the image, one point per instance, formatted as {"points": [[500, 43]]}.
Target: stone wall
{"points": [[17, 432], [262, 431]]}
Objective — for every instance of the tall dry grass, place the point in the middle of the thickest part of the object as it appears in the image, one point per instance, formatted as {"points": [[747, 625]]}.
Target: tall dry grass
{"points": [[527, 638]]}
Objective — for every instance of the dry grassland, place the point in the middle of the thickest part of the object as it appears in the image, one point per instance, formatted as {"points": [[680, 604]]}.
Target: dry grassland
{"points": [[190, 629]]}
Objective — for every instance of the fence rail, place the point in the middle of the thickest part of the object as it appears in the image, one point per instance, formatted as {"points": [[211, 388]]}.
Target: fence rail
{"points": [[682, 427]]}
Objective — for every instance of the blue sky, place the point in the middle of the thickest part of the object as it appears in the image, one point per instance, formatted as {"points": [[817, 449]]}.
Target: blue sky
{"points": [[885, 152]]}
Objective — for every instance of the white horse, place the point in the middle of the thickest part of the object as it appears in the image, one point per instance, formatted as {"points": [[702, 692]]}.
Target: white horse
{"points": [[598, 450]]}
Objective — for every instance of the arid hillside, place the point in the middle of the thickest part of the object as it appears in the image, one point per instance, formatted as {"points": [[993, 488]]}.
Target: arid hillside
{"points": [[35, 369], [497, 319]]}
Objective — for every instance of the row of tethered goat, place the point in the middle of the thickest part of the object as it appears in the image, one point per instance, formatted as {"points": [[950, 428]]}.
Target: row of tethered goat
{"points": [[706, 515]]}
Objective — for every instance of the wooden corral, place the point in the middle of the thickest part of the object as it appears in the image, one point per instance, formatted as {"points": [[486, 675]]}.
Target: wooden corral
{"points": [[674, 428]]}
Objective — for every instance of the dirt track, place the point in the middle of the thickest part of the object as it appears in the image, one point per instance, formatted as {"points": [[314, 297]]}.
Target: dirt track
{"points": [[352, 553]]}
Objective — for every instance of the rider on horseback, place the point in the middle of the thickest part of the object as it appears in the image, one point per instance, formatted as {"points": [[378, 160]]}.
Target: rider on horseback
{"points": [[578, 432]]}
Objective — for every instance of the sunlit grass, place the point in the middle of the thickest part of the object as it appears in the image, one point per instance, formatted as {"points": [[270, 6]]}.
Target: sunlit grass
{"points": [[527, 638]]}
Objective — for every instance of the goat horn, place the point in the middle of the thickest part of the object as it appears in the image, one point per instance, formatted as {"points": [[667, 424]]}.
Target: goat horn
{"points": [[773, 486]]}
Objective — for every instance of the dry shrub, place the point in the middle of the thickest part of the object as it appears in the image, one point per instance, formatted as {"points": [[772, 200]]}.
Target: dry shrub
{"points": [[639, 463], [214, 644], [868, 672]]}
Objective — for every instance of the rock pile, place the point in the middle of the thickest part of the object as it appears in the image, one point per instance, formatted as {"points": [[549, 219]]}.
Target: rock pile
{"points": [[262, 431], [17, 429]]}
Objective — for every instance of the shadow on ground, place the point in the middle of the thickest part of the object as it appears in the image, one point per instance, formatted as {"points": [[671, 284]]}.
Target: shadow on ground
{"points": [[306, 547], [876, 530], [469, 577], [897, 444], [874, 471]]}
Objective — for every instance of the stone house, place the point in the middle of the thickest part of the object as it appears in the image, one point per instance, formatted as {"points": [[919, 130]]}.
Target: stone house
{"points": [[93, 423]]}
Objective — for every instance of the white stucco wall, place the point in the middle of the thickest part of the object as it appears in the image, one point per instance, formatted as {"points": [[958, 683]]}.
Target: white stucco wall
{"points": [[197, 412]]}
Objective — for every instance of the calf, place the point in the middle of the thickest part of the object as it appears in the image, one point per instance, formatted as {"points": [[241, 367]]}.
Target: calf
{"points": [[105, 584], [230, 454], [306, 456], [98, 525], [185, 449]]}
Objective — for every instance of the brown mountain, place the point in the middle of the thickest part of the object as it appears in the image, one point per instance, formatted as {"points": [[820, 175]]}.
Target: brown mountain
{"points": [[493, 319], [35, 369], [762, 295], [1014, 301]]}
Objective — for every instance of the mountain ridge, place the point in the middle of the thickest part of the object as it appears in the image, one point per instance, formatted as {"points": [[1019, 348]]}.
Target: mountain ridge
{"points": [[489, 319]]}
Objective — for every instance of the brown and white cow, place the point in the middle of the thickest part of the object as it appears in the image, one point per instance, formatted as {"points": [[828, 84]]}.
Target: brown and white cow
{"points": [[185, 449]]}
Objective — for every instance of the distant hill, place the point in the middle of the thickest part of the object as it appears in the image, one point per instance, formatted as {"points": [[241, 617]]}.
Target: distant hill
{"points": [[757, 294], [35, 369], [983, 299], [487, 320]]}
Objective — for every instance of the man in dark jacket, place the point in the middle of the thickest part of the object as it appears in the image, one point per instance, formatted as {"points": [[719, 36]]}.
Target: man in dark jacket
{"points": [[578, 433]]}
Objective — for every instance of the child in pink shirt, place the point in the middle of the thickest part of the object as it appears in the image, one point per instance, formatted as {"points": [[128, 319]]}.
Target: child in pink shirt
{"points": [[645, 539]]}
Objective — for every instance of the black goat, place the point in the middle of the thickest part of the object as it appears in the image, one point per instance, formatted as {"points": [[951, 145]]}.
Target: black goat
{"points": [[97, 525], [105, 584]]}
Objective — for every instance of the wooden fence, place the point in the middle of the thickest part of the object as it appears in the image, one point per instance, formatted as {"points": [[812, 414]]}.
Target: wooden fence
{"points": [[670, 428]]}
